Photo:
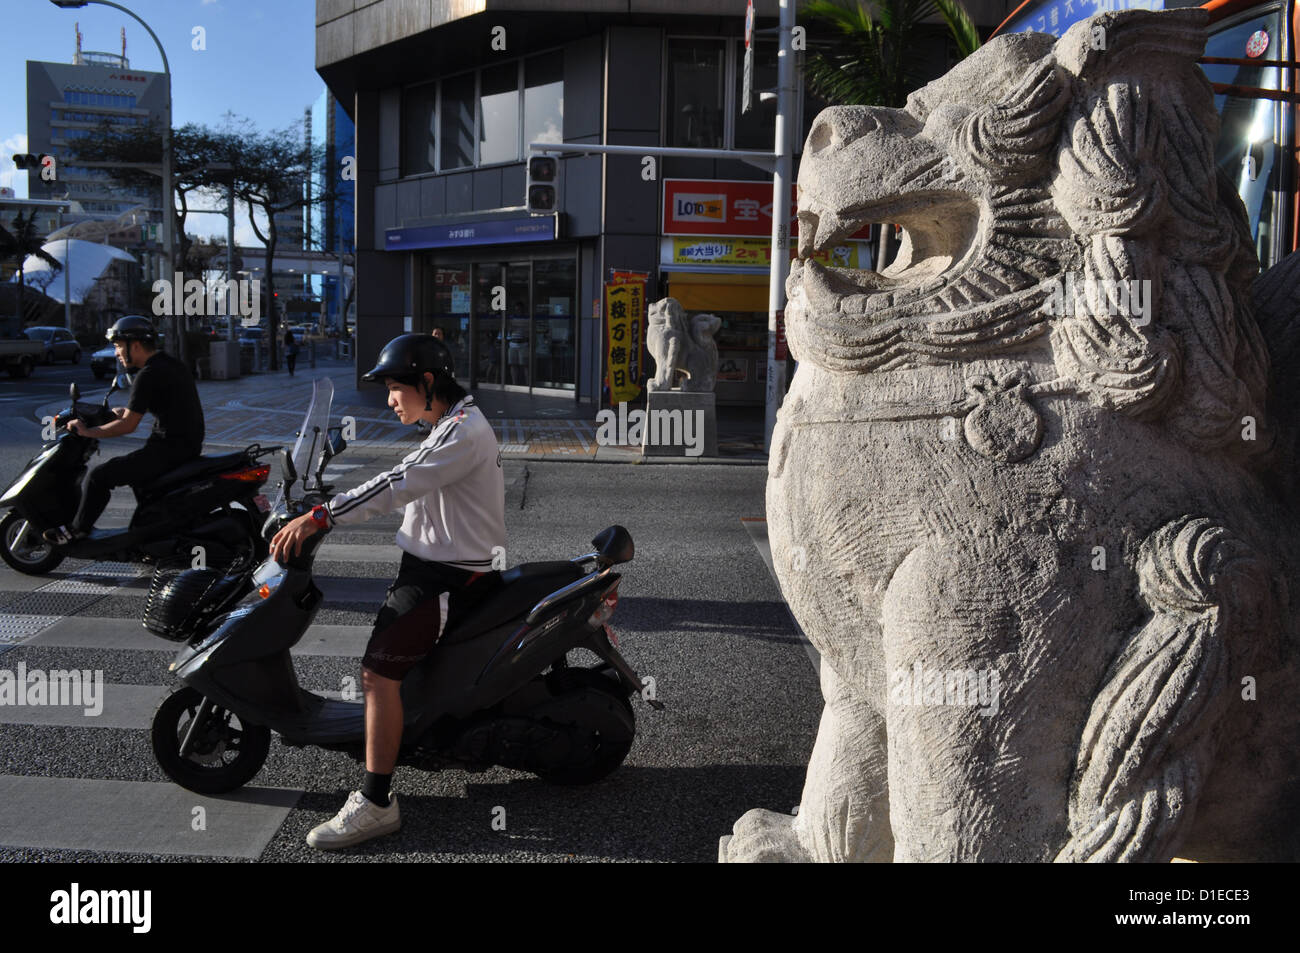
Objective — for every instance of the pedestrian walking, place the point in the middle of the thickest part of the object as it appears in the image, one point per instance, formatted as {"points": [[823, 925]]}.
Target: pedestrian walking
{"points": [[290, 351]]}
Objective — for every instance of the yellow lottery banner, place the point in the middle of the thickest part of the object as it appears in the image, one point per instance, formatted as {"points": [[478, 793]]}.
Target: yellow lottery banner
{"points": [[752, 251], [624, 332]]}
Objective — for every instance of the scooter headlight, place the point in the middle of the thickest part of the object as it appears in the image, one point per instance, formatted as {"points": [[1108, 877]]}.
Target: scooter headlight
{"points": [[268, 578]]}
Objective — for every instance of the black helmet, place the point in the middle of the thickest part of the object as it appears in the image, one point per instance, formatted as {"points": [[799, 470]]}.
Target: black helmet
{"points": [[133, 327], [410, 355]]}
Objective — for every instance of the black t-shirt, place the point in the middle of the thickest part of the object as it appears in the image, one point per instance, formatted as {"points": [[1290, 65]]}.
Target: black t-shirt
{"points": [[164, 388]]}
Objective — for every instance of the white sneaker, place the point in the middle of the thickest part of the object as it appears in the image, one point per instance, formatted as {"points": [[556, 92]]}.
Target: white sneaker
{"points": [[359, 820]]}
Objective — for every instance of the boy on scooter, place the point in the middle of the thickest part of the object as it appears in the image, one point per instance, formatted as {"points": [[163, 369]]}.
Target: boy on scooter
{"points": [[162, 387], [452, 493]]}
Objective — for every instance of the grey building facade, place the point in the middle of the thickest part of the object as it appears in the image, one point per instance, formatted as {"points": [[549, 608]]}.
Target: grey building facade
{"points": [[66, 101]]}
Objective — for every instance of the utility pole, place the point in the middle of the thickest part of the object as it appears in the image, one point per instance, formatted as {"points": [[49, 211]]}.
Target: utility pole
{"points": [[780, 220]]}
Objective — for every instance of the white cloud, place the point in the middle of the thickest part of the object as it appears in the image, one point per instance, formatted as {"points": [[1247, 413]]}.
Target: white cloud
{"points": [[10, 176]]}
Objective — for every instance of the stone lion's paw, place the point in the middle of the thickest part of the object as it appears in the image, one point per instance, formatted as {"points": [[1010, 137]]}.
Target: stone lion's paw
{"points": [[762, 837]]}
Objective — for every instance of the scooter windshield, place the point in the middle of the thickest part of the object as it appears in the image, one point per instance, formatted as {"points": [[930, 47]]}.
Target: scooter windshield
{"points": [[311, 437]]}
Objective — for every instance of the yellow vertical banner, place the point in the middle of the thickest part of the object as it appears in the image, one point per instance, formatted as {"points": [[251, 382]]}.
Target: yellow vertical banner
{"points": [[625, 334]]}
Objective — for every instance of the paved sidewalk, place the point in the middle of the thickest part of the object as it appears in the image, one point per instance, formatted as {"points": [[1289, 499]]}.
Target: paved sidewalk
{"points": [[268, 407]]}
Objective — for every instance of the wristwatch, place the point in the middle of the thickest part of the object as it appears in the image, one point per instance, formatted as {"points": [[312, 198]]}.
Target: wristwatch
{"points": [[321, 516]]}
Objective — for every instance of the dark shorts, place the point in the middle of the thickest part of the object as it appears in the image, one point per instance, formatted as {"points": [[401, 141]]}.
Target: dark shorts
{"points": [[410, 621]]}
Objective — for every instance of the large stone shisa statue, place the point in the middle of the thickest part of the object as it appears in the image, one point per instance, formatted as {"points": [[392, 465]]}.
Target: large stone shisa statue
{"points": [[1030, 494]]}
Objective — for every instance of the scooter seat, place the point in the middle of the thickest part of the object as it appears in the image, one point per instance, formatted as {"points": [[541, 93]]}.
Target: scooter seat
{"points": [[521, 588], [200, 467]]}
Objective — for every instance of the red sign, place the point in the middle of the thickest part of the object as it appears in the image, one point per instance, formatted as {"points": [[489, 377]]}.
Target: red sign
{"points": [[724, 208]]}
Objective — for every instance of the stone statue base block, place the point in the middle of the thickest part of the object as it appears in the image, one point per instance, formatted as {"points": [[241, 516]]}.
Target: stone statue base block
{"points": [[680, 424]]}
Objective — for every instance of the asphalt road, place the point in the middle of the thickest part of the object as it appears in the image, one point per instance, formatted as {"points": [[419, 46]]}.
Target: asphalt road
{"points": [[699, 613]]}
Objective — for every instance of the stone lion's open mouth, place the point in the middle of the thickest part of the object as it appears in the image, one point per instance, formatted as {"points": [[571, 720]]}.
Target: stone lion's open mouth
{"points": [[939, 238]]}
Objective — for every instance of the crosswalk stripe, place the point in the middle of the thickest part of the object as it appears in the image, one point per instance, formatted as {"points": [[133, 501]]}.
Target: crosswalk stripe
{"points": [[82, 632], [332, 552], [138, 817], [121, 706]]}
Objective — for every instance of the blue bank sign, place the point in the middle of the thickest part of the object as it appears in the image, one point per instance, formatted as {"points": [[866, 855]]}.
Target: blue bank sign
{"points": [[470, 233]]}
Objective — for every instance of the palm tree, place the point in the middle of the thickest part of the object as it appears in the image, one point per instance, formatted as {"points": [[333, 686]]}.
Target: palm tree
{"points": [[870, 60], [24, 240]]}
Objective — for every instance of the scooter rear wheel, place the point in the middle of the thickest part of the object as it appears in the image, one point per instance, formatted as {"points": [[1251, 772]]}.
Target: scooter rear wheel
{"points": [[37, 557], [223, 757], [609, 718]]}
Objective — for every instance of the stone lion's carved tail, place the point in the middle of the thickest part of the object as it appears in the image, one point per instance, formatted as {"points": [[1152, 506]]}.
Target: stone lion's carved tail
{"points": [[1154, 728], [1277, 309]]}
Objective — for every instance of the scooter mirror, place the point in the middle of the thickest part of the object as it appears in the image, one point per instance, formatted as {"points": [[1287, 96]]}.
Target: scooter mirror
{"points": [[334, 442], [74, 392], [122, 381], [286, 464]]}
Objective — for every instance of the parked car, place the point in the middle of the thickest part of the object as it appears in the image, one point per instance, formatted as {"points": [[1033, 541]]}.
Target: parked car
{"points": [[59, 344], [103, 363]]}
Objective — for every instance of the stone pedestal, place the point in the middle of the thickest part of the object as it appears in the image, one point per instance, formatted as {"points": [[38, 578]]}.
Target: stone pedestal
{"points": [[680, 424]]}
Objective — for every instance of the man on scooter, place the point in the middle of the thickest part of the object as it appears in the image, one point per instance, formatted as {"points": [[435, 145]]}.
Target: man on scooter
{"points": [[163, 387], [452, 493]]}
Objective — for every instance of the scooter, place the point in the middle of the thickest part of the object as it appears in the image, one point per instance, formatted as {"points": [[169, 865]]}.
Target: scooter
{"points": [[497, 689], [212, 502]]}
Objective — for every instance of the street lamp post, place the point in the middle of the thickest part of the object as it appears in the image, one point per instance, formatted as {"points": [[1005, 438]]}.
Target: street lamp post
{"points": [[168, 201]]}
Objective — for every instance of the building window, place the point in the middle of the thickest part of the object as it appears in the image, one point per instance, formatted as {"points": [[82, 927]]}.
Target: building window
{"points": [[756, 129], [483, 117], [697, 93], [499, 114], [420, 129], [457, 123], [703, 94], [544, 99]]}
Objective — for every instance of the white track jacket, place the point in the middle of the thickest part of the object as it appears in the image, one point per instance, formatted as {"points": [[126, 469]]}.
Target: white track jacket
{"points": [[453, 491]]}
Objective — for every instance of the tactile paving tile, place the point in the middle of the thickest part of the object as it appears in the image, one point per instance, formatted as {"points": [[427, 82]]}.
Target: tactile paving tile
{"points": [[72, 584], [130, 570], [34, 612], [20, 628]]}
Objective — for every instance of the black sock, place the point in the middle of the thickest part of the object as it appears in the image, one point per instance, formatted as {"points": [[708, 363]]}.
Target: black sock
{"points": [[375, 788]]}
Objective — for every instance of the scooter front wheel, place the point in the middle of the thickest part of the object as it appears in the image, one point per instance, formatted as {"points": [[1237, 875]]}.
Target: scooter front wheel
{"points": [[222, 757], [23, 547]]}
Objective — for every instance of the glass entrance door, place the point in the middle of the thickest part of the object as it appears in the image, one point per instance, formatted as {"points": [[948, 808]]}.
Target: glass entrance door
{"points": [[488, 345], [518, 336], [503, 333]]}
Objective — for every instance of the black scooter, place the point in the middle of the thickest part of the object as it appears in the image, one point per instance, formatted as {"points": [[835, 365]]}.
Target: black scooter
{"points": [[496, 690], [212, 502]]}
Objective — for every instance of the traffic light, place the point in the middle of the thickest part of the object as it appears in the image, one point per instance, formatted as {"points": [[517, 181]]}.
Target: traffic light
{"points": [[46, 163], [543, 191]]}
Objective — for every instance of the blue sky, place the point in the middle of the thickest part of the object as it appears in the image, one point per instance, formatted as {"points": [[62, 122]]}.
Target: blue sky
{"points": [[258, 62]]}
